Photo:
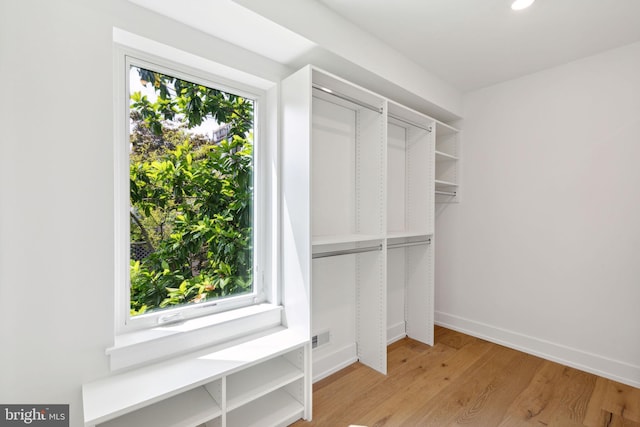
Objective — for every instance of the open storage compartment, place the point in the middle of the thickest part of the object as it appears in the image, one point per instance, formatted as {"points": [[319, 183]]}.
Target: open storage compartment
{"points": [[447, 160], [348, 221], [410, 224]]}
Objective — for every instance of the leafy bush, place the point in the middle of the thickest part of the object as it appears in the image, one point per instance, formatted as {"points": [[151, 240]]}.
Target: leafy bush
{"points": [[191, 199]]}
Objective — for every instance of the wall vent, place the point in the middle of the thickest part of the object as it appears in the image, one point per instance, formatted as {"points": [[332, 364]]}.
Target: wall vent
{"points": [[320, 339]]}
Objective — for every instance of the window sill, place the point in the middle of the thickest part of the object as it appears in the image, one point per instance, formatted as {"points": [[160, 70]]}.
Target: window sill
{"points": [[164, 341]]}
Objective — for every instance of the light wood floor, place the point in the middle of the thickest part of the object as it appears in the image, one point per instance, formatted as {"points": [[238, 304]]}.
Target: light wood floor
{"points": [[466, 381]]}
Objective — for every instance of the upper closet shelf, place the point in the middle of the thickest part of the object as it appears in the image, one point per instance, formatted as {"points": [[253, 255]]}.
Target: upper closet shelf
{"points": [[336, 90], [444, 129], [444, 155], [407, 234]]}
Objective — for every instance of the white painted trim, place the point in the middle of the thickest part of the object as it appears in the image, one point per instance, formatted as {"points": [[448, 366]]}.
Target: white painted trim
{"points": [[150, 345], [396, 332], [585, 361], [323, 366]]}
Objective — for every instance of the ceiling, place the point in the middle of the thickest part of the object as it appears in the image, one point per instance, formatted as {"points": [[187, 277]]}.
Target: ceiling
{"points": [[476, 43]]}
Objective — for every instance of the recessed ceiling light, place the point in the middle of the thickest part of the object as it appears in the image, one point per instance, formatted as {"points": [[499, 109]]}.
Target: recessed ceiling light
{"points": [[521, 4]]}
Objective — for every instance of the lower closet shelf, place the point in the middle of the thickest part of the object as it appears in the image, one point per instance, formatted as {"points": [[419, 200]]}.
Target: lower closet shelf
{"points": [[275, 409], [183, 410], [259, 380]]}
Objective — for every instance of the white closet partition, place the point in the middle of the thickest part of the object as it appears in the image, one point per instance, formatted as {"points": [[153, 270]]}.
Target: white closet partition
{"points": [[295, 199]]}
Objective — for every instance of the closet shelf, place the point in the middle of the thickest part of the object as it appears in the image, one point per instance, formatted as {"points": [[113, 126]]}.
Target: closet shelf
{"points": [[280, 409], [184, 410], [407, 234], [444, 155], [440, 182], [260, 380], [344, 238]]}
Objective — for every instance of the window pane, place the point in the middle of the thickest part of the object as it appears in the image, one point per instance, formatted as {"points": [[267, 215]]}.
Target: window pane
{"points": [[191, 192]]}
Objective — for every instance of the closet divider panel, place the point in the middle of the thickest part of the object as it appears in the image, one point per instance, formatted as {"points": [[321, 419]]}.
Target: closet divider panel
{"points": [[371, 311], [419, 292], [371, 292], [295, 201], [396, 222], [420, 217]]}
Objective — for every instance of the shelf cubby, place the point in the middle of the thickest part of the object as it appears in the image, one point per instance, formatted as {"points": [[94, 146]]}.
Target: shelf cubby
{"points": [[278, 408], [447, 163]]}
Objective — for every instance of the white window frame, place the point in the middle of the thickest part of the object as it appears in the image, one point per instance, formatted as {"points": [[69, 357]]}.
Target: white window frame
{"points": [[185, 312], [136, 337]]}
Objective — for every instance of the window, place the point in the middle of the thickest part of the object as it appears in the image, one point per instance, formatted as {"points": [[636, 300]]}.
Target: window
{"points": [[192, 229]]}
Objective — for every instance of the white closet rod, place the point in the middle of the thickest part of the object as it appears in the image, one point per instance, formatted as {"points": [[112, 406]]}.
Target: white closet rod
{"points": [[347, 98], [347, 251], [446, 193], [419, 126], [407, 244]]}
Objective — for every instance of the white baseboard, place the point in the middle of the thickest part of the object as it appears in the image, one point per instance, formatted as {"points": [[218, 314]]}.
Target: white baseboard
{"points": [[396, 332], [589, 362], [330, 363]]}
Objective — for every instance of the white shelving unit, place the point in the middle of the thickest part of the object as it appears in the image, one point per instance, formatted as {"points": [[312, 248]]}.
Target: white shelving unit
{"points": [[261, 382], [365, 193], [447, 163]]}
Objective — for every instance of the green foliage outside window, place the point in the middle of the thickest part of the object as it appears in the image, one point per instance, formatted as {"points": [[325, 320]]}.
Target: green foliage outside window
{"points": [[191, 197]]}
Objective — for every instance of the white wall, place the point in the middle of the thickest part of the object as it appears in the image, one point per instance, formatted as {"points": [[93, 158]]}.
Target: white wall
{"points": [[543, 252], [56, 187]]}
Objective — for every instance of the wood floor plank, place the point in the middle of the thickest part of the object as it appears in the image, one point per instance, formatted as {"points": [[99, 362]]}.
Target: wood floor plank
{"points": [[452, 338], [613, 404], [595, 412], [465, 381], [622, 400], [571, 393], [528, 406], [607, 419]]}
